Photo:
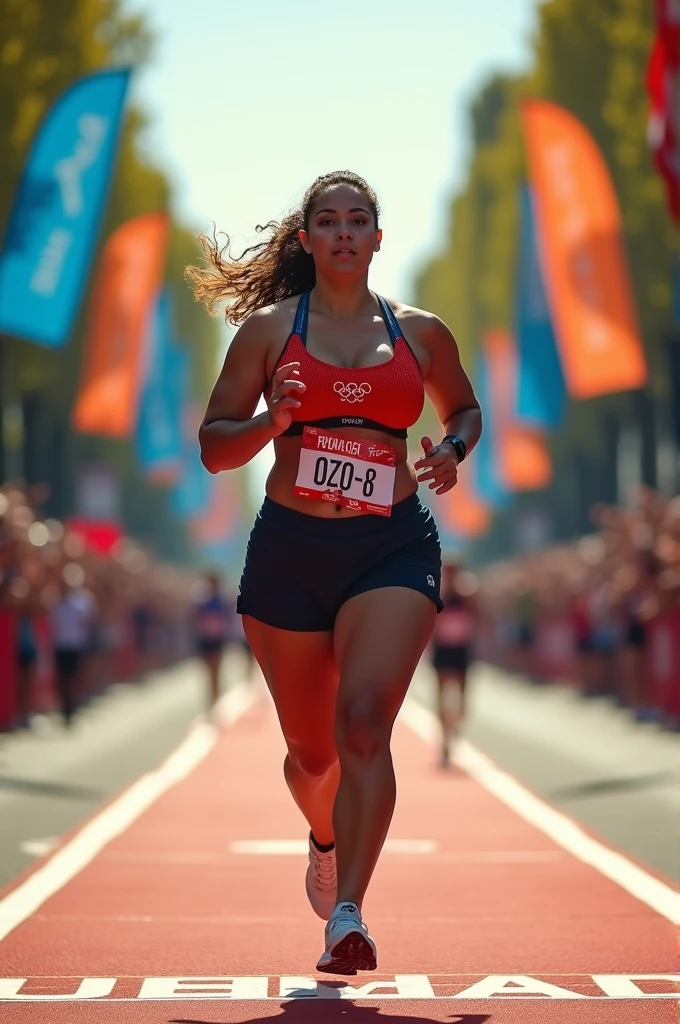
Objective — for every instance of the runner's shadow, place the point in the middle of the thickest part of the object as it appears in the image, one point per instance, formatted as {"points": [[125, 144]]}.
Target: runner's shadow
{"points": [[43, 787], [341, 1011], [623, 784]]}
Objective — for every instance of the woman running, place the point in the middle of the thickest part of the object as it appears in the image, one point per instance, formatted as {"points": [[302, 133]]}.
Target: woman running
{"points": [[212, 631], [451, 650], [341, 583]]}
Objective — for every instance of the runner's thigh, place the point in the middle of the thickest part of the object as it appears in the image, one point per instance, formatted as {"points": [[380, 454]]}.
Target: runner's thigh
{"points": [[302, 676], [379, 638]]}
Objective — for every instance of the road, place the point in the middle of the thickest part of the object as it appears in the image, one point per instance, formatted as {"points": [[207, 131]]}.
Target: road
{"points": [[619, 778], [181, 899]]}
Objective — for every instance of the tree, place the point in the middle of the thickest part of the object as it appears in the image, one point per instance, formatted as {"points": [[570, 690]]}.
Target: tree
{"points": [[45, 47], [591, 59]]}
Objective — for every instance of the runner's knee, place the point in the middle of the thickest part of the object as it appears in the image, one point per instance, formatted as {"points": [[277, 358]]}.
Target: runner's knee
{"points": [[363, 726], [315, 763]]}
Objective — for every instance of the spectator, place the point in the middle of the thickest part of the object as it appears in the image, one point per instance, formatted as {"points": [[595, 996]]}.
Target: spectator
{"points": [[27, 656], [600, 597], [72, 618]]}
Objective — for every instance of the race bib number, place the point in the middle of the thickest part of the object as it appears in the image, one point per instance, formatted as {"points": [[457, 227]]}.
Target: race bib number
{"points": [[353, 472]]}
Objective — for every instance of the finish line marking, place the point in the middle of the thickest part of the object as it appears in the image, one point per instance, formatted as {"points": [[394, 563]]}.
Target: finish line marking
{"points": [[121, 814], [557, 826], [498, 987]]}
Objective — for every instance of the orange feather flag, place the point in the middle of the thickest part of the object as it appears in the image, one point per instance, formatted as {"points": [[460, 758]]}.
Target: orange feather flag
{"points": [[584, 263], [460, 511], [523, 459], [128, 277]]}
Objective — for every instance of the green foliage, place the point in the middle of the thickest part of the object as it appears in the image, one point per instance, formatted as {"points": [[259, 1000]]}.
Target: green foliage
{"points": [[45, 45], [590, 58]]}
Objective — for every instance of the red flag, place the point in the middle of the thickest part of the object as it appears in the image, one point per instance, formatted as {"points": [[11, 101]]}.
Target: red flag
{"points": [[663, 87], [98, 536]]}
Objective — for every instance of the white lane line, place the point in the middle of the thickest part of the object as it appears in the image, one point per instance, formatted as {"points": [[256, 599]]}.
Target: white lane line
{"points": [[115, 819], [561, 829], [424, 846], [300, 847]]}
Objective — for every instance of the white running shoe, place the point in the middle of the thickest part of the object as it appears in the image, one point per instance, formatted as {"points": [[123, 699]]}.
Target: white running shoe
{"points": [[349, 947], [321, 882]]}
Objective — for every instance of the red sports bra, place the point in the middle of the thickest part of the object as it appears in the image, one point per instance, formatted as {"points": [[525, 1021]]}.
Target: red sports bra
{"points": [[388, 396]]}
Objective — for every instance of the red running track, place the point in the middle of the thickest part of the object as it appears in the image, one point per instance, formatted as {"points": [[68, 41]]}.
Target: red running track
{"points": [[490, 920]]}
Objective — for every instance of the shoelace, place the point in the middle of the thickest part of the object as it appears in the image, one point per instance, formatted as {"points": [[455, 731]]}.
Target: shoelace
{"points": [[340, 917], [346, 912], [324, 870]]}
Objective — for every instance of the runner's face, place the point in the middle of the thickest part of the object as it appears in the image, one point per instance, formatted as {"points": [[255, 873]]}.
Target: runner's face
{"points": [[342, 235]]}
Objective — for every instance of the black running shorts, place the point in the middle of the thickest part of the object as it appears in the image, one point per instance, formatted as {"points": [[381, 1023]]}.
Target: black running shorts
{"points": [[451, 659], [300, 569]]}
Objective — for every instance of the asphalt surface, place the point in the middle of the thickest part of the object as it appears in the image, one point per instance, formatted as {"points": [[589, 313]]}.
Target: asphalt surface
{"points": [[618, 778], [52, 779]]}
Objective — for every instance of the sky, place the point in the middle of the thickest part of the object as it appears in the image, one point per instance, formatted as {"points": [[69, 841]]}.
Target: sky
{"points": [[252, 101]]}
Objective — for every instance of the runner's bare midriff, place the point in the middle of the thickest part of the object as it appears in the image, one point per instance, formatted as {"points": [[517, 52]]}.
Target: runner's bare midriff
{"points": [[281, 480]]}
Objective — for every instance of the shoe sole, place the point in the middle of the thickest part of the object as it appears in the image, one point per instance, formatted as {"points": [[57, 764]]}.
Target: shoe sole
{"points": [[351, 954]]}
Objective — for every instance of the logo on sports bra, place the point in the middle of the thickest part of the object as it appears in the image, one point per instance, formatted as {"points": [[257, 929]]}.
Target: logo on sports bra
{"points": [[351, 392]]}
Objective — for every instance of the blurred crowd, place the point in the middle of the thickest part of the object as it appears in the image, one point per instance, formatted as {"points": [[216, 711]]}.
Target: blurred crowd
{"points": [[603, 612], [73, 620]]}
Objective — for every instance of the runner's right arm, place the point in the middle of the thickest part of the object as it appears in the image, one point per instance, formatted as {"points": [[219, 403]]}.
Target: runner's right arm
{"points": [[230, 435]]}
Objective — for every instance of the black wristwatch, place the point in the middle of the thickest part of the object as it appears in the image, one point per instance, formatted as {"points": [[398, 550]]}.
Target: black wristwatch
{"points": [[458, 444]]}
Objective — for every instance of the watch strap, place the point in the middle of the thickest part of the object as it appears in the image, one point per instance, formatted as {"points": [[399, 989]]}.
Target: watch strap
{"points": [[458, 444]]}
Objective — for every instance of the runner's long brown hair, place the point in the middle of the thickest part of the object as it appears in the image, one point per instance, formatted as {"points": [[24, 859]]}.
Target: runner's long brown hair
{"points": [[271, 270]]}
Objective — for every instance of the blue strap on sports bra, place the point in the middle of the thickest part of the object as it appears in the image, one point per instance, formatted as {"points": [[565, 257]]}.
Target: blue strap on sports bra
{"points": [[302, 319], [390, 320]]}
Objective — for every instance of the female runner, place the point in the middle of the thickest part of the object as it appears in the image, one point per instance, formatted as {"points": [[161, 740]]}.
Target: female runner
{"points": [[341, 583], [453, 637]]}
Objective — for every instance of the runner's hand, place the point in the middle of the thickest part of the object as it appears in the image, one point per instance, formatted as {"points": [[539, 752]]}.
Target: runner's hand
{"points": [[441, 465], [287, 388]]}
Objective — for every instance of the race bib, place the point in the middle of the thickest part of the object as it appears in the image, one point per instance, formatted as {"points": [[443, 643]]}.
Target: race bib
{"points": [[353, 472], [453, 627], [212, 625]]}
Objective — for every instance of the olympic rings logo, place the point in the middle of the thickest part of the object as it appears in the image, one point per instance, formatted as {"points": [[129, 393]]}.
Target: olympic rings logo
{"points": [[351, 392]]}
